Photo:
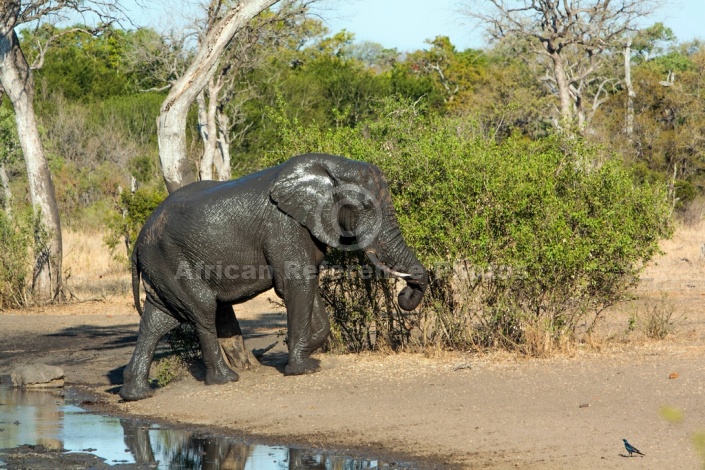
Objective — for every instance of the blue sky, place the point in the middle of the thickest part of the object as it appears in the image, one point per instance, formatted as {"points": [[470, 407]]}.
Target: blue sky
{"points": [[406, 24]]}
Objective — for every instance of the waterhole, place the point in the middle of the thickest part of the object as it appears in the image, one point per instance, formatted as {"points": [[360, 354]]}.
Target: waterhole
{"points": [[41, 422]]}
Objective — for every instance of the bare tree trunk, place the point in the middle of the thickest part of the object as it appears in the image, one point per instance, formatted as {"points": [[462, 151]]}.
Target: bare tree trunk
{"points": [[6, 192], [222, 163], [171, 123], [205, 166], [207, 122], [16, 79], [563, 86], [629, 118]]}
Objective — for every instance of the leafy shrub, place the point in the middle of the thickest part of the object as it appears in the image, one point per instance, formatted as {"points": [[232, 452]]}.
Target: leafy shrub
{"points": [[16, 239], [125, 223], [524, 239], [168, 369], [185, 352], [364, 311]]}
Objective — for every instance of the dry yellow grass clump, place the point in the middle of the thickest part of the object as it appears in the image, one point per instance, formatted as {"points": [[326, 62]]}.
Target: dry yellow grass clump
{"points": [[682, 262], [90, 268]]}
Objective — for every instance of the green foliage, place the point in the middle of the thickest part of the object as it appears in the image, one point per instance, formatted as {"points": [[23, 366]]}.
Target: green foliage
{"points": [[667, 142], [82, 66], [17, 241], [185, 352], [10, 150], [671, 414], [524, 240], [169, 369], [93, 148], [652, 41], [454, 74], [125, 223], [142, 169], [136, 115], [699, 444]]}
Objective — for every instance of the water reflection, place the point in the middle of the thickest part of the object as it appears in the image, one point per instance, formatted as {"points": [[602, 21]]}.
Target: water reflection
{"points": [[56, 422]]}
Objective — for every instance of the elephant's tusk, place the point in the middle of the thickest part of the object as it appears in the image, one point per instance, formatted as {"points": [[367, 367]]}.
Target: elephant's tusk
{"points": [[379, 265]]}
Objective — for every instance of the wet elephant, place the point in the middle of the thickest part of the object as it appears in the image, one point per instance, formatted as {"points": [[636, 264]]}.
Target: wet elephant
{"points": [[210, 245]]}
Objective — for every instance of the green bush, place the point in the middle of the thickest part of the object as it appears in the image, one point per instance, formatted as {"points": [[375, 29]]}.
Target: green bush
{"points": [[524, 239], [16, 239], [125, 223], [185, 352]]}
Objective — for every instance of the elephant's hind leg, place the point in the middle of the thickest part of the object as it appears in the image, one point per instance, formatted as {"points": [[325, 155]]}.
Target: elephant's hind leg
{"points": [[197, 302], [153, 325]]}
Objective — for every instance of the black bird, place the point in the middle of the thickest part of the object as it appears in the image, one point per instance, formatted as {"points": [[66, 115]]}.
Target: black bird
{"points": [[631, 449]]}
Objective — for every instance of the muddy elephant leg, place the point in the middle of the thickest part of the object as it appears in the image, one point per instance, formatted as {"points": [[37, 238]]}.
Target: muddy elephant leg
{"points": [[217, 371], [154, 324], [299, 301], [232, 343], [320, 324], [204, 315]]}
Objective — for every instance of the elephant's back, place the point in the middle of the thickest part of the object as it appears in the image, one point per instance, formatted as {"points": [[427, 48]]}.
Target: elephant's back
{"points": [[206, 214]]}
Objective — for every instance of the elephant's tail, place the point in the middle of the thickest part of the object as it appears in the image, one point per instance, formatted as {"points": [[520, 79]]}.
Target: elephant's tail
{"points": [[136, 281]]}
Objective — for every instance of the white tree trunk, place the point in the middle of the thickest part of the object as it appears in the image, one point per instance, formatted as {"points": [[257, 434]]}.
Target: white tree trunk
{"points": [[205, 166], [629, 118], [16, 79], [222, 162], [171, 123], [207, 110], [563, 86], [6, 192]]}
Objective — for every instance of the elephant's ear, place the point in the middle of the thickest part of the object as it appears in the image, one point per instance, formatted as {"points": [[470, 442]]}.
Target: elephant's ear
{"points": [[304, 189]]}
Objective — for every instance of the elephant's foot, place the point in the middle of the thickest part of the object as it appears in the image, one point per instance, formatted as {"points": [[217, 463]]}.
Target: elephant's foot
{"points": [[221, 376], [301, 367], [137, 390]]}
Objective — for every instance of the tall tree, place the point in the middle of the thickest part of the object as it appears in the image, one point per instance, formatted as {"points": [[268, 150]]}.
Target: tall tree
{"points": [[454, 73], [645, 43], [220, 103], [572, 36], [172, 118], [17, 81]]}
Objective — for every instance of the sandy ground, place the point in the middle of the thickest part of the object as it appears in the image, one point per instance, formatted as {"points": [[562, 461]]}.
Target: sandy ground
{"points": [[460, 410]]}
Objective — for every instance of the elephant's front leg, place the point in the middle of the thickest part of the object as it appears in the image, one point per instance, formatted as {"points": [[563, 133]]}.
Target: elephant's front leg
{"points": [[217, 371], [320, 324], [302, 340]]}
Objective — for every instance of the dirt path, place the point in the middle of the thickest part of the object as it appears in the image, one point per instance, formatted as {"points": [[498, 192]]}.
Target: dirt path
{"points": [[471, 411]]}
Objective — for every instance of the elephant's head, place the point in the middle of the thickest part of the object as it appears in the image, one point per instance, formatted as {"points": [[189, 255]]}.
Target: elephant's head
{"points": [[346, 204]]}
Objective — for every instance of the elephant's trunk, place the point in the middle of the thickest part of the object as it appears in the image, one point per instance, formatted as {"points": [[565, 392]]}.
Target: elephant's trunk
{"points": [[410, 296], [394, 258]]}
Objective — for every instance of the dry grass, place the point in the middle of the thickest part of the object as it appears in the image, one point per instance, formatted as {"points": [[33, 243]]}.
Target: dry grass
{"points": [[670, 299], [90, 269], [681, 266]]}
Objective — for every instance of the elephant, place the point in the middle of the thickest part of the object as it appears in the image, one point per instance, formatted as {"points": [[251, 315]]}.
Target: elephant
{"points": [[212, 244]]}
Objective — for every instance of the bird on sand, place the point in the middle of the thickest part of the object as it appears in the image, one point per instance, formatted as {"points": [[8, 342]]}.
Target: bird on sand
{"points": [[631, 449]]}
